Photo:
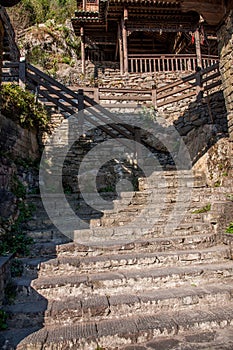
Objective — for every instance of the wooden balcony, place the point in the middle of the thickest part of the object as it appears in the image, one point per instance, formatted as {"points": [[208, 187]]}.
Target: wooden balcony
{"points": [[91, 5], [167, 63]]}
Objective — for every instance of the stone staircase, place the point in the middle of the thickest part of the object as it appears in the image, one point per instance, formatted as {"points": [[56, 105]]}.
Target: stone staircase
{"points": [[133, 286]]}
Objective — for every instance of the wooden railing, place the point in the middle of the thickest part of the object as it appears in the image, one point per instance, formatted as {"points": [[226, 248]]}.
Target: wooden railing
{"points": [[73, 99], [167, 63], [69, 101], [197, 84]]}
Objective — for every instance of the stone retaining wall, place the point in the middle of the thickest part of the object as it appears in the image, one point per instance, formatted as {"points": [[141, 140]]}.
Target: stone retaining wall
{"points": [[16, 140], [225, 37]]}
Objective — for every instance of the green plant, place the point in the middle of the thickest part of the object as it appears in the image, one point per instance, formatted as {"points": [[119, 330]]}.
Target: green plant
{"points": [[229, 229], [16, 241], [18, 188], [3, 318], [108, 188], [16, 268], [204, 209], [20, 106], [230, 197], [217, 183], [149, 114]]}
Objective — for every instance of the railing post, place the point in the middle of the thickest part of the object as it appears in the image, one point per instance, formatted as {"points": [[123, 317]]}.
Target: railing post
{"points": [[199, 87], [80, 111], [154, 96], [22, 72], [96, 94]]}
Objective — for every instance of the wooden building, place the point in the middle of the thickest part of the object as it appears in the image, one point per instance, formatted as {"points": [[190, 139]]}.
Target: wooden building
{"points": [[136, 33], [6, 29]]}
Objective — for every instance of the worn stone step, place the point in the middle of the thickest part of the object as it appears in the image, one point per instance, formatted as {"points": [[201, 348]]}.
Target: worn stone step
{"points": [[48, 235], [134, 230], [151, 244], [68, 264], [218, 339], [148, 217], [114, 333], [169, 243], [124, 281], [95, 308]]}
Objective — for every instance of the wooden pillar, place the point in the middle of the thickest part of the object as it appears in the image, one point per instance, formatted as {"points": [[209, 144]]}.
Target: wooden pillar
{"points": [[83, 50], [125, 44], [120, 49], [22, 72], [198, 48], [84, 5]]}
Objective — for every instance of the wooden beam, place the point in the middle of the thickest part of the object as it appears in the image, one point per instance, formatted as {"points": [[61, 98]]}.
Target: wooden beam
{"points": [[125, 46], [198, 48], [83, 50], [120, 46]]}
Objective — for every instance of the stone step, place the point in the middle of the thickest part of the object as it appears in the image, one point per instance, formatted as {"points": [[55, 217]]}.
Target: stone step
{"points": [[149, 221], [95, 308], [123, 281], [69, 264], [169, 243], [112, 334], [199, 340], [48, 235], [134, 230]]}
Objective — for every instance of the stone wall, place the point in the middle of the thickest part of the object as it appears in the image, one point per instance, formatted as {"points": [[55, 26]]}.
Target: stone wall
{"points": [[19, 149], [225, 37], [17, 141]]}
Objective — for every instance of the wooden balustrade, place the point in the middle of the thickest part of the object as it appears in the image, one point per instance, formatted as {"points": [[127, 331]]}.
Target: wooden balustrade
{"points": [[167, 63], [196, 84]]}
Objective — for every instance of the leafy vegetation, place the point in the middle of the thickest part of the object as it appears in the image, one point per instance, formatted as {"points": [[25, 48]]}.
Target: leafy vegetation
{"points": [[3, 318], [204, 209], [230, 228], [20, 106], [16, 268], [30, 12], [15, 240]]}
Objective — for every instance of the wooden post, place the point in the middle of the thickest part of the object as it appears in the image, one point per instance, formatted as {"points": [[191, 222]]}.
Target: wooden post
{"points": [[22, 72], [80, 111], [120, 45], [83, 50], [198, 48], [96, 95], [154, 96], [199, 87], [125, 47]]}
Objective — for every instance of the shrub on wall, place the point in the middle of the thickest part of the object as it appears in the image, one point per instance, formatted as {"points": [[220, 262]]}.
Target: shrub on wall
{"points": [[20, 106]]}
